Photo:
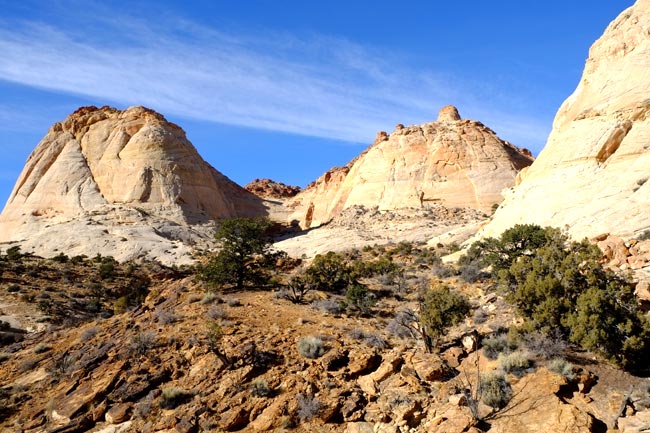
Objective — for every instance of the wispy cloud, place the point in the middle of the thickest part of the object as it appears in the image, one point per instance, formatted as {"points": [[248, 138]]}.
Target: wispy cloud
{"points": [[323, 86]]}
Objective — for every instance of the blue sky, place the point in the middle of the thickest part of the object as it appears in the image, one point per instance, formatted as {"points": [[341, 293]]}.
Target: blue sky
{"points": [[288, 89]]}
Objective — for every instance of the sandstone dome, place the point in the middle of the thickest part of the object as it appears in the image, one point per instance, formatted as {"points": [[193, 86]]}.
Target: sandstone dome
{"points": [[452, 162], [126, 168]]}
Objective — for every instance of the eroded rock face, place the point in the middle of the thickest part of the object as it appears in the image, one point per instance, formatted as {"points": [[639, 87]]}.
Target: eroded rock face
{"points": [[123, 165], [453, 162], [591, 176]]}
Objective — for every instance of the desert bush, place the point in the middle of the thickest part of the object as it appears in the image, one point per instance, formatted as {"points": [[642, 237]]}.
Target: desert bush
{"points": [[516, 362], [308, 406], [142, 342], [497, 344], [440, 309], [366, 269], [60, 258], [210, 297], [297, 289], [376, 341], [215, 313], [560, 285], [260, 388], [443, 271], [329, 272], [311, 347], [545, 346], [14, 253], [402, 325], [359, 297], [120, 305], [562, 367], [107, 268], [233, 302], [41, 348], [165, 317], [495, 391], [88, 333], [328, 305], [13, 288], [245, 256], [472, 272], [172, 397]]}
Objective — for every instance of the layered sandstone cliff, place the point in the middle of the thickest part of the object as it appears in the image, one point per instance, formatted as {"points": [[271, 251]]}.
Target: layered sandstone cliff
{"points": [[119, 170], [452, 162], [591, 176]]}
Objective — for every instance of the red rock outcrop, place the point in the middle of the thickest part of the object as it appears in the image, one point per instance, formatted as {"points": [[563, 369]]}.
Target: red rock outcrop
{"points": [[267, 188]]}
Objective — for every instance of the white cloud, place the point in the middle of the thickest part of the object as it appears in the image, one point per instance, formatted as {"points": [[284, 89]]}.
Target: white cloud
{"points": [[324, 86]]}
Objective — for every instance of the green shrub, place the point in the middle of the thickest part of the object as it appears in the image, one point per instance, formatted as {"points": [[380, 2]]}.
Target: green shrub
{"points": [[329, 273], [60, 258], [359, 297], [560, 286], [311, 347], [440, 309], [245, 256], [495, 391]]}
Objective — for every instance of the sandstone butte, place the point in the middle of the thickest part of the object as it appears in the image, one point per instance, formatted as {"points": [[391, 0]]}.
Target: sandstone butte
{"points": [[591, 176], [452, 162], [123, 165]]}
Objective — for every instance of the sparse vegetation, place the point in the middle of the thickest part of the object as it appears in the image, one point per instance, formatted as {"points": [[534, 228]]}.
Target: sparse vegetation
{"points": [[495, 391], [559, 285], [308, 406], [311, 347], [172, 397]]}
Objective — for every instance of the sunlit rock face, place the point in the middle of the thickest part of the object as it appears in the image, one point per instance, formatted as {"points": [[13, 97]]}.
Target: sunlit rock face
{"points": [[591, 176], [453, 162], [120, 166]]}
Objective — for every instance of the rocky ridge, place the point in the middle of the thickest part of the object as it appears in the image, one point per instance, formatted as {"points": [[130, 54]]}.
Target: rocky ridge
{"points": [[450, 162], [126, 183], [591, 177], [267, 188]]}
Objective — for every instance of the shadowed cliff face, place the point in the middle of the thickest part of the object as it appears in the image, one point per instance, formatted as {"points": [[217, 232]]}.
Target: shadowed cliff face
{"points": [[112, 168], [452, 162], [591, 175]]}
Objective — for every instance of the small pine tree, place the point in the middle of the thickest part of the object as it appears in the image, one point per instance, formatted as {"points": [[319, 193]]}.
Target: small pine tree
{"points": [[245, 255]]}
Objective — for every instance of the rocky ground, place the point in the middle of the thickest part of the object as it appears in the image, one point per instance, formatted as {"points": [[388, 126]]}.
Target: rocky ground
{"points": [[358, 226], [190, 360]]}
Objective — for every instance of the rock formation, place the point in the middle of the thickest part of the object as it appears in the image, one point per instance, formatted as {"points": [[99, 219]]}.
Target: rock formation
{"points": [[453, 162], [125, 171], [591, 176], [267, 188]]}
